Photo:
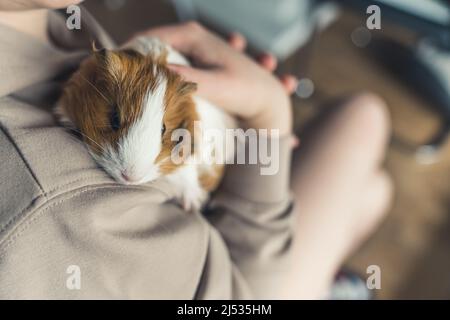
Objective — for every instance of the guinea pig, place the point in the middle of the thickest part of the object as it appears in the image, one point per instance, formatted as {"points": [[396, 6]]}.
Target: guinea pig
{"points": [[127, 105]]}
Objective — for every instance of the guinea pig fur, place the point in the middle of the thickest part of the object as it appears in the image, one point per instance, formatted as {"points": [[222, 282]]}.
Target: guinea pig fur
{"points": [[125, 105]]}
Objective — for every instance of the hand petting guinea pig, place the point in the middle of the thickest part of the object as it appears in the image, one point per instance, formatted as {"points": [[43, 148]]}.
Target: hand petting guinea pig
{"points": [[127, 104]]}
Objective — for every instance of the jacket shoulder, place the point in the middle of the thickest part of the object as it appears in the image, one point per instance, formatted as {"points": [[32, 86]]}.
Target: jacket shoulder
{"points": [[39, 161], [123, 242]]}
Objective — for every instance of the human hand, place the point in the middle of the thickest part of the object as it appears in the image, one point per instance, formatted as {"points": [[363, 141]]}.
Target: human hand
{"points": [[230, 79]]}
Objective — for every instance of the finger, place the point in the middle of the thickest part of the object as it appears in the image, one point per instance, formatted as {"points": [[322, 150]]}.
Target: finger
{"points": [[237, 41], [268, 62], [189, 73], [169, 34], [183, 37], [290, 83]]}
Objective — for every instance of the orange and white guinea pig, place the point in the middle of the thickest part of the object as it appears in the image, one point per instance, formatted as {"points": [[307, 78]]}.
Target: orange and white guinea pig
{"points": [[125, 105]]}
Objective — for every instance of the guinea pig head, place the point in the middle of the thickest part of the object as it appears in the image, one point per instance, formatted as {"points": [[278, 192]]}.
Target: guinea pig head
{"points": [[126, 106]]}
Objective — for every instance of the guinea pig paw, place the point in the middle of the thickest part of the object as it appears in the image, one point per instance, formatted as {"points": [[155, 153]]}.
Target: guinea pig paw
{"points": [[193, 199]]}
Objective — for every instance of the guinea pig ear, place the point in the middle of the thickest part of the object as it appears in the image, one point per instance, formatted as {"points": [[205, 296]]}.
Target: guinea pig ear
{"points": [[94, 46], [187, 88], [101, 55]]}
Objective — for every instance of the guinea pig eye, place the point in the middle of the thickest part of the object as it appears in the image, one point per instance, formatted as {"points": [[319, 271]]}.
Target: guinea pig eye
{"points": [[163, 129], [115, 119]]}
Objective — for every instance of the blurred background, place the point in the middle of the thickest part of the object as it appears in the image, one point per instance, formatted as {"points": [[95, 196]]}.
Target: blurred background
{"points": [[334, 51]]}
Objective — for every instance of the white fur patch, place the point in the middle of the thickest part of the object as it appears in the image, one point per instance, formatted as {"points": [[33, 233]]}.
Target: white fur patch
{"points": [[140, 147], [186, 183]]}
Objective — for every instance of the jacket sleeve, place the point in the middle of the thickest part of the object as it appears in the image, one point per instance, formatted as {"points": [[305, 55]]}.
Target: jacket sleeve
{"points": [[253, 214]]}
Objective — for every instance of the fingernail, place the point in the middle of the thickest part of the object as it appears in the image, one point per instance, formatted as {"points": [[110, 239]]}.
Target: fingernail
{"points": [[268, 61], [237, 41], [290, 82]]}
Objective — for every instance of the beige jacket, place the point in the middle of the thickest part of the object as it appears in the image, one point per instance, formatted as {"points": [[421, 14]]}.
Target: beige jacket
{"points": [[67, 231]]}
